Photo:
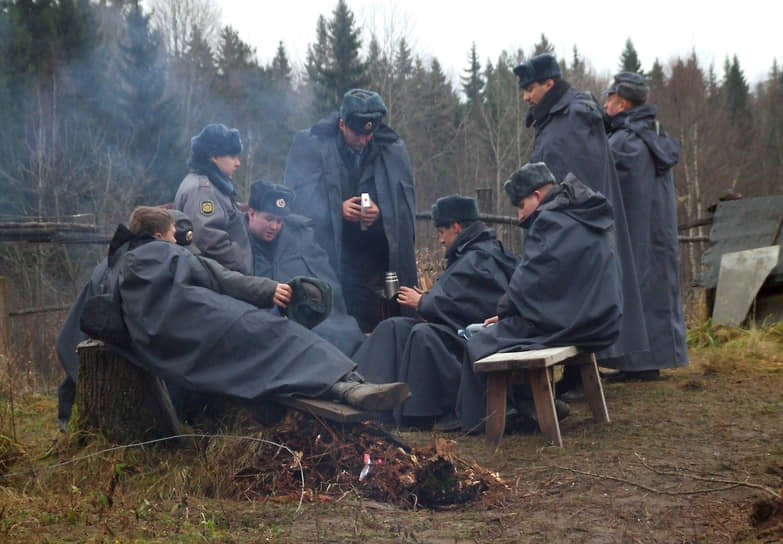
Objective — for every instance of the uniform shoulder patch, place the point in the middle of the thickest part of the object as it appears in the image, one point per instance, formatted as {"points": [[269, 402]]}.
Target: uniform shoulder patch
{"points": [[207, 207]]}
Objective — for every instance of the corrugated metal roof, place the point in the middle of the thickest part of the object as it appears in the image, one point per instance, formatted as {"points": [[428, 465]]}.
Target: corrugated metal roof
{"points": [[747, 223]]}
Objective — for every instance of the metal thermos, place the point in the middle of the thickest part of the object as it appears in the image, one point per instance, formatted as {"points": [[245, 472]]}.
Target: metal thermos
{"points": [[391, 285]]}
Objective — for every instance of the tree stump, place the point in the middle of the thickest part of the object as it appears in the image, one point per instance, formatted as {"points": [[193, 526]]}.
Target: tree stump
{"points": [[120, 400]]}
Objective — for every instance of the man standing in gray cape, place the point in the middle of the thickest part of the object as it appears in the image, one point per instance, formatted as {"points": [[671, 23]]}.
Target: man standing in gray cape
{"points": [[343, 156], [284, 247], [644, 156], [571, 138], [426, 351], [207, 196]]}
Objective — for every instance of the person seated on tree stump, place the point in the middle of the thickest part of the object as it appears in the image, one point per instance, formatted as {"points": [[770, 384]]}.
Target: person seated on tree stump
{"points": [[183, 326]]}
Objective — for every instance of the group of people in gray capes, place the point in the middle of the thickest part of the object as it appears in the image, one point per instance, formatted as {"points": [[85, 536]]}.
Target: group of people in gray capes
{"points": [[288, 295]]}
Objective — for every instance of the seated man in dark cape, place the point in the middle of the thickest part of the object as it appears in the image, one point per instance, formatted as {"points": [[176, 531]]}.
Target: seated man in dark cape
{"points": [[69, 335], [284, 247], [566, 289], [426, 351], [182, 328]]}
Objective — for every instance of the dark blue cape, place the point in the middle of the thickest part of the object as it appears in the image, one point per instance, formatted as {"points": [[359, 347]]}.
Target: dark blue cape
{"points": [[295, 253], [426, 351], [185, 331], [315, 170], [644, 157], [571, 138], [565, 291]]}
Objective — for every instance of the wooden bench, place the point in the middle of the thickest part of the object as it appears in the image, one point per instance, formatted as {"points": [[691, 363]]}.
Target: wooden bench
{"points": [[326, 409], [535, 367]]}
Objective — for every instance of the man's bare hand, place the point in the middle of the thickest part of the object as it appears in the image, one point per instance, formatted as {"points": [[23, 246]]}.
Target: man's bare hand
{"points": [[370, 215], [283, 295], [410, 297], [491, 320], [352, 209]]}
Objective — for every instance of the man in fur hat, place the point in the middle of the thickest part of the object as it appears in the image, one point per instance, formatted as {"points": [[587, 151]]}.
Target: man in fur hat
{"points": [[284, 246], [566, 289], [207, 196], [645, 155], [426, 351], [329, 166], [570, 138]]}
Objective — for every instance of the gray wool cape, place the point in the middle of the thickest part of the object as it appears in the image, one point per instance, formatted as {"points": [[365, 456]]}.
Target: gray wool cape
{"points": [[565, 291], [571, 138], [193, 336], [644, 157], [295, 253], [426, 351], [315, 170], [256, 291]]}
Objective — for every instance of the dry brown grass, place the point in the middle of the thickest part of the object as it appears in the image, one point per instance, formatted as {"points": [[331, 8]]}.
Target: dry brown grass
{"points": [[694, 457]]}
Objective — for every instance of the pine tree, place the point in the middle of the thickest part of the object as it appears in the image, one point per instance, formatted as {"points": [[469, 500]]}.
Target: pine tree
{"points": [[403, 60], [429, 133], [576, 72], [736, 89], [147, 115], [379, 69], [317, 66], [770, 104], [348, 70], [200, 56], [276, 108], [472, 83], [195, 74], [47, 80], [543, 46], [629, 60], [333, 63], [656, 78], [281, 68]]}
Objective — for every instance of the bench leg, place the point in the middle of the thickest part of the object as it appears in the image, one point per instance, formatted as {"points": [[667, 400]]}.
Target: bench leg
{"points": [[541, 386], [497, 389], [594, 391]]}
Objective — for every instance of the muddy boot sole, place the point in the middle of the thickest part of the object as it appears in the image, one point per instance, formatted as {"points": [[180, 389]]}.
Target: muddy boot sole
{"points": [[377, 397]]}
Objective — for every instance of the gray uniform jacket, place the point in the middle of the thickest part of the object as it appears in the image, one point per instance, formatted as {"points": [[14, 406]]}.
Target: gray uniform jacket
{"points": [[218, 223], [571, 137], [314, 169], [644, 157]]}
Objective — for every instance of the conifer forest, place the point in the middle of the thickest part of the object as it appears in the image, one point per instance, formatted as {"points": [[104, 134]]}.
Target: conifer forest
{"points": [[99, 100]]}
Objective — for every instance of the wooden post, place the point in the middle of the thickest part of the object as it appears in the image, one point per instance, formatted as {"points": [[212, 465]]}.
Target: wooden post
{"points": [[4, 321], [119, 399], [484, 200]]}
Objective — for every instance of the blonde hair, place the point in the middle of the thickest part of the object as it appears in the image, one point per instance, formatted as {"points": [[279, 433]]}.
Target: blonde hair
{"points": [[151, 220]]}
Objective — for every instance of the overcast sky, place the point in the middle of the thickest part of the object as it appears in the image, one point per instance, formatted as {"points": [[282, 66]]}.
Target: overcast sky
{"points": [[663, 29]]}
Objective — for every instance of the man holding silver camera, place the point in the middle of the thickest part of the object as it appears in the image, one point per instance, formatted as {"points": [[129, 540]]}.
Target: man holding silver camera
{"points": [[345, 160]]}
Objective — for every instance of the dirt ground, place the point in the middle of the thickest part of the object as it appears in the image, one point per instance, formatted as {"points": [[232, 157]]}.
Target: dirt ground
{"points": [[694, 457]]}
